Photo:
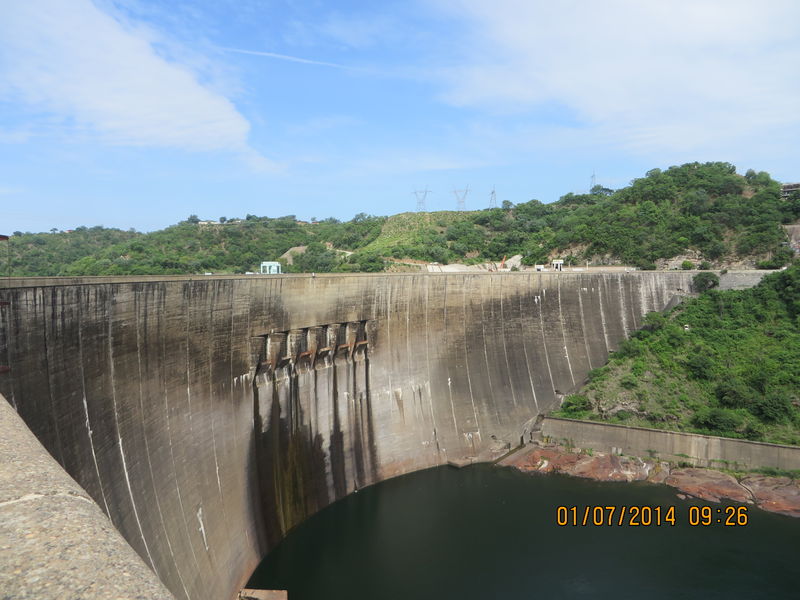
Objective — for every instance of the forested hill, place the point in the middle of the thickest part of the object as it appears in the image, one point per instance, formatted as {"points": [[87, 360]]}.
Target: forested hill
{"points": [[726, 363], [706, 210]]}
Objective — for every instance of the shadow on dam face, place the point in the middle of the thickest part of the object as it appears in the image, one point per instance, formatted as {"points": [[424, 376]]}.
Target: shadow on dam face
{"points": [[313, 423], [208, 416]]}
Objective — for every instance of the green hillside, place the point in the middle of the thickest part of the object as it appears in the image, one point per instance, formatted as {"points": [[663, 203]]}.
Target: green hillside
{"points": [[706, 209], [52, 253], [726, 363], [235, 246]]}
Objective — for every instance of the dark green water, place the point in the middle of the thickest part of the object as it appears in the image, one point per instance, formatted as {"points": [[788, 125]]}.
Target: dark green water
{"points": [[484, 532]]}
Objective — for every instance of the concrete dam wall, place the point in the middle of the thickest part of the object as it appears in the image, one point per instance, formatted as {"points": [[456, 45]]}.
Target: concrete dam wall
{"points": [[208, 416]]}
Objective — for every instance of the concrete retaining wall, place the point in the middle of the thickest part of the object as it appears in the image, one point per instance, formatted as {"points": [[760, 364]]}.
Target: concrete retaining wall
{"points": [[208, 415], [698, 450]]}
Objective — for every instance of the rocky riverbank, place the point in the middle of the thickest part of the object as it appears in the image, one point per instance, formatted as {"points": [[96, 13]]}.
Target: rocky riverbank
{"points": [[775, 494]]}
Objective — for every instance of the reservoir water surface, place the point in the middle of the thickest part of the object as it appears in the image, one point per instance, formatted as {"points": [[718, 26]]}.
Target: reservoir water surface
{"points": [[484, 532]]}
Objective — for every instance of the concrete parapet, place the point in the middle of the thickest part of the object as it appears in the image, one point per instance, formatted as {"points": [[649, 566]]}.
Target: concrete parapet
{"points": [[741, 280], [55, 542], [697, 450]]}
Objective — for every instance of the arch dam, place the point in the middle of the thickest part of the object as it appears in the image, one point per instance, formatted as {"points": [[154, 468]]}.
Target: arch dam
{"points": [[206, 416]]}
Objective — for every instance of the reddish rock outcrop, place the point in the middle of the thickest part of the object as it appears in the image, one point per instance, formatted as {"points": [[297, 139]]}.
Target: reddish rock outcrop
{"points": [[707, 484], [599, 466], [774, 494]]}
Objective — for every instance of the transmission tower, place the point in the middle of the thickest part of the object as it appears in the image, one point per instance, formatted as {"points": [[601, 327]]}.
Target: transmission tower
{"points": [[421, 195], [493, 199], [594, 182], [461, 196]]}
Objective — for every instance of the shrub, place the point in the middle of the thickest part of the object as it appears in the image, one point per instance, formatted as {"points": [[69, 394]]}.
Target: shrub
{"points": [[597, 373], [754, 431], [780, 258], [653, 321], [704, 281], [629, 348], [704, 266], [687, 265], [575, 403], [700, 365], [734, 393], [773, 407], [718, 419]]}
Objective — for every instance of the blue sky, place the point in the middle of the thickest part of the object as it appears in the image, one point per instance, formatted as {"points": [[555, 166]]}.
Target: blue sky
{"points": [[137, 113]]}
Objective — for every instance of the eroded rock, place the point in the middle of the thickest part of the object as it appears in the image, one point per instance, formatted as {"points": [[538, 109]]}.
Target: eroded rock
{"points": [[707, 484], [775, 494]]}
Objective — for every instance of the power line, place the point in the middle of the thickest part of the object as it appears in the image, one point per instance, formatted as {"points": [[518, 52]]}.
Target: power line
{"points": [[421, 196], [461, 196]]}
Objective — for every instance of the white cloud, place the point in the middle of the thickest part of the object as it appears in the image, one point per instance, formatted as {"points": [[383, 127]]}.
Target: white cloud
{"points": [[698, 75], [102, 78]]}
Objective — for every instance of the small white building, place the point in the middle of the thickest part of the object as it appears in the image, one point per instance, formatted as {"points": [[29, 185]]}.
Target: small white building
{"points": [[269, 267], [558, 265]]}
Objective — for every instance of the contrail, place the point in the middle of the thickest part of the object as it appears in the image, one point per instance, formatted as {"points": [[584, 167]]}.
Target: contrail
{"points": [[296, 59]]}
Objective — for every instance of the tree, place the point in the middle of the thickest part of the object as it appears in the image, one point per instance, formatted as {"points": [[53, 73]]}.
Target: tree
{"points": [[368, 262], [705, 281], [599, 190], [194, 219], [222, 219]]}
